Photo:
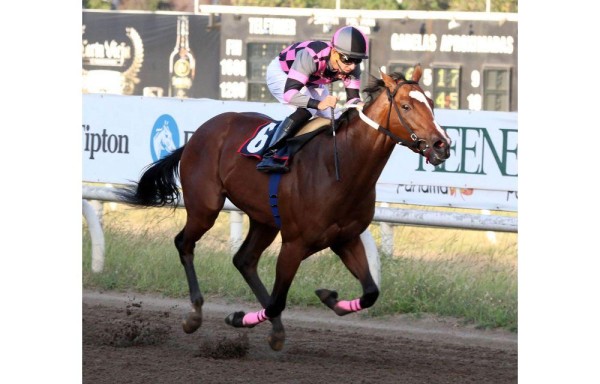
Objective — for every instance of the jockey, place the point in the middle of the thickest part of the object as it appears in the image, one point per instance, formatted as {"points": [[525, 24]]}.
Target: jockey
{"points": [[298, 77]]}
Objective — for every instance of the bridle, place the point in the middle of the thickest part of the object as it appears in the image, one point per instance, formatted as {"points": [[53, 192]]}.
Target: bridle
{"points": [[416, 144]]}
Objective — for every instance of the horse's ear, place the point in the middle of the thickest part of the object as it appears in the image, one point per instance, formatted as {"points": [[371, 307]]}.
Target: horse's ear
{"points": [[389, 82], [416, 76]]}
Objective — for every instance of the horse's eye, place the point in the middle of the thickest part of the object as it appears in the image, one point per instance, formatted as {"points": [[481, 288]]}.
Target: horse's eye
{"points": [[405, 107]]}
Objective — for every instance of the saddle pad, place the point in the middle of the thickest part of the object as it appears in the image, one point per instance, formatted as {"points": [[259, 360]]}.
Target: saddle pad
{"points": [[257, 143]]}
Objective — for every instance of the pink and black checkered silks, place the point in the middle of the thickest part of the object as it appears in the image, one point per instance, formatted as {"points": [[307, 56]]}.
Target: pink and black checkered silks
{"points": [[319, 50]]}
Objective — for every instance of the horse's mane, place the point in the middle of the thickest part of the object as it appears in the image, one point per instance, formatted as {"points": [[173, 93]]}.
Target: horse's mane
{"points": [[375, 87]]}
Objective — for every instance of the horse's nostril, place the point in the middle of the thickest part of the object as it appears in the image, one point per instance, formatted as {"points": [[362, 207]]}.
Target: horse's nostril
{"points": [[441, 147]]}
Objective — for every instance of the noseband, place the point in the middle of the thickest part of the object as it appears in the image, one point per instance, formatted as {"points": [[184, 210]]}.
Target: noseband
{"points": [[417, 144]]}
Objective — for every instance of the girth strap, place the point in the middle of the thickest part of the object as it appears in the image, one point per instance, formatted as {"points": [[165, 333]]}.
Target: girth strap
{"points": [[274, 180]]}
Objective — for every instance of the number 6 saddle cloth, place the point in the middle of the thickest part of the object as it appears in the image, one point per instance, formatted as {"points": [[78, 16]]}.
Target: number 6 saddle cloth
{"points": [[256, 145]]}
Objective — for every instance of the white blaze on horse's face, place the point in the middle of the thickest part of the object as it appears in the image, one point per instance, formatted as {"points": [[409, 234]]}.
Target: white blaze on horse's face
{"points": [[421, 97]]}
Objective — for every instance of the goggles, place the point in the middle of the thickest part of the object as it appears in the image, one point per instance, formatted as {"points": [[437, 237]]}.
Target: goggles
{"points": [[348, 60]]}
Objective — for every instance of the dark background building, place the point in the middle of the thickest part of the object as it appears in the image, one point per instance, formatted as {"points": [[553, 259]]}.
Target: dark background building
{"points": [[469, 59]]}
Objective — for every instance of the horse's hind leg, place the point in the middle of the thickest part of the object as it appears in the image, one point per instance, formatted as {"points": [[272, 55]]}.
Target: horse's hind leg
{"points": [[198, 222], [352, 254], [246, 261]]}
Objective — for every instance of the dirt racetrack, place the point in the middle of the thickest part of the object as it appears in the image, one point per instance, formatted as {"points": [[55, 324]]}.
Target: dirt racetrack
{"points": [[132, 338]]}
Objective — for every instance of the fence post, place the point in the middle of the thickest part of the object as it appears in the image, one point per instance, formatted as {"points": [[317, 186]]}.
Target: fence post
{"points": [[96, 234], [99, 209], [372, 256], [387, 236], [235, 236], [490, 235]]}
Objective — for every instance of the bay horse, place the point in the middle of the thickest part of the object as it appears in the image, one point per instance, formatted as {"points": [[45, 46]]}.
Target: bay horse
{"points": [[316, 211]]}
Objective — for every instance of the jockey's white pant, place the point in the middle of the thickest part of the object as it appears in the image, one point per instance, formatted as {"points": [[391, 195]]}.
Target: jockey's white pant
{"points": [[276, 79]]}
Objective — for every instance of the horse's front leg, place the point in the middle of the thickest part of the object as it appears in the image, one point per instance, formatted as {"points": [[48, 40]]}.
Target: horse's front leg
{"points": [[353, 255], [288, 262]]}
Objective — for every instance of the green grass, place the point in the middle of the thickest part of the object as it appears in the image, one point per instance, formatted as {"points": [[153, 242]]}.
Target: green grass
{"points": [[457, 273]]}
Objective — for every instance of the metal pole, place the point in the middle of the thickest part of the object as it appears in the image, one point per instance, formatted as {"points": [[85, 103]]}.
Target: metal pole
{"points": [[439, 219]]}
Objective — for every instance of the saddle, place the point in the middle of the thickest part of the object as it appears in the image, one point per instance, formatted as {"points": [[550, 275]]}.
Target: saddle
{"points": [[257, 144]]}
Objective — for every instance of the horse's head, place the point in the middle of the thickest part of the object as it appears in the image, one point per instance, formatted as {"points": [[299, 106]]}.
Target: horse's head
{"points": [[406, 115], [163, 140]]}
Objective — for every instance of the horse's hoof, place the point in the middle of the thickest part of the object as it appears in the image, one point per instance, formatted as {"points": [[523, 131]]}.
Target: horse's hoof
{"points": [[276, 340], [327, 297], [192, 322], [236, 319], [325, 294]]}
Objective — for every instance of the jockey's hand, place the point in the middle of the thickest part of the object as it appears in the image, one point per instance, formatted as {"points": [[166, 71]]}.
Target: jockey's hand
{"points": [[328, 102]]}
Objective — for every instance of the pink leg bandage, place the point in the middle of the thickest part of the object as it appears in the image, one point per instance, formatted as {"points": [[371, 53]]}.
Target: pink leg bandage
{"points": [[254, 318], [352, 306]]}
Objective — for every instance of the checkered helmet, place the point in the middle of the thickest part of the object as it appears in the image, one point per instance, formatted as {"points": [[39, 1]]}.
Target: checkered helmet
{"points": [[351, 42]]}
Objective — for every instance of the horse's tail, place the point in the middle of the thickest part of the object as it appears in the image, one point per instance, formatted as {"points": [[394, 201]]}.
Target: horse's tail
{"points": [[158, 185]]}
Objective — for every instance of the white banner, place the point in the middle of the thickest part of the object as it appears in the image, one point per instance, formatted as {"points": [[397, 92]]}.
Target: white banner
{"points": [[483, 154], [121, 135], [447, 196], [480, 173]]}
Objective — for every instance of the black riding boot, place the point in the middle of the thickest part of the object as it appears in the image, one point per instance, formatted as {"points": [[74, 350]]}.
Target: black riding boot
{"points": [[269, 164]]}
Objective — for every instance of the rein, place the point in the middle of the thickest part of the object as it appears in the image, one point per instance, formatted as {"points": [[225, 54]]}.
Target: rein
{"points": [[416, 143]]}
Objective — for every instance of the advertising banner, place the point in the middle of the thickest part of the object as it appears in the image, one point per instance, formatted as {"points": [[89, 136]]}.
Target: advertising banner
{"points": [[121, 135], [149, 54]]}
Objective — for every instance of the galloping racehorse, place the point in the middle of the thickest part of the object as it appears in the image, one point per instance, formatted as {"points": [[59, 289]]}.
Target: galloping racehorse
{"points": [[316, 211]]}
